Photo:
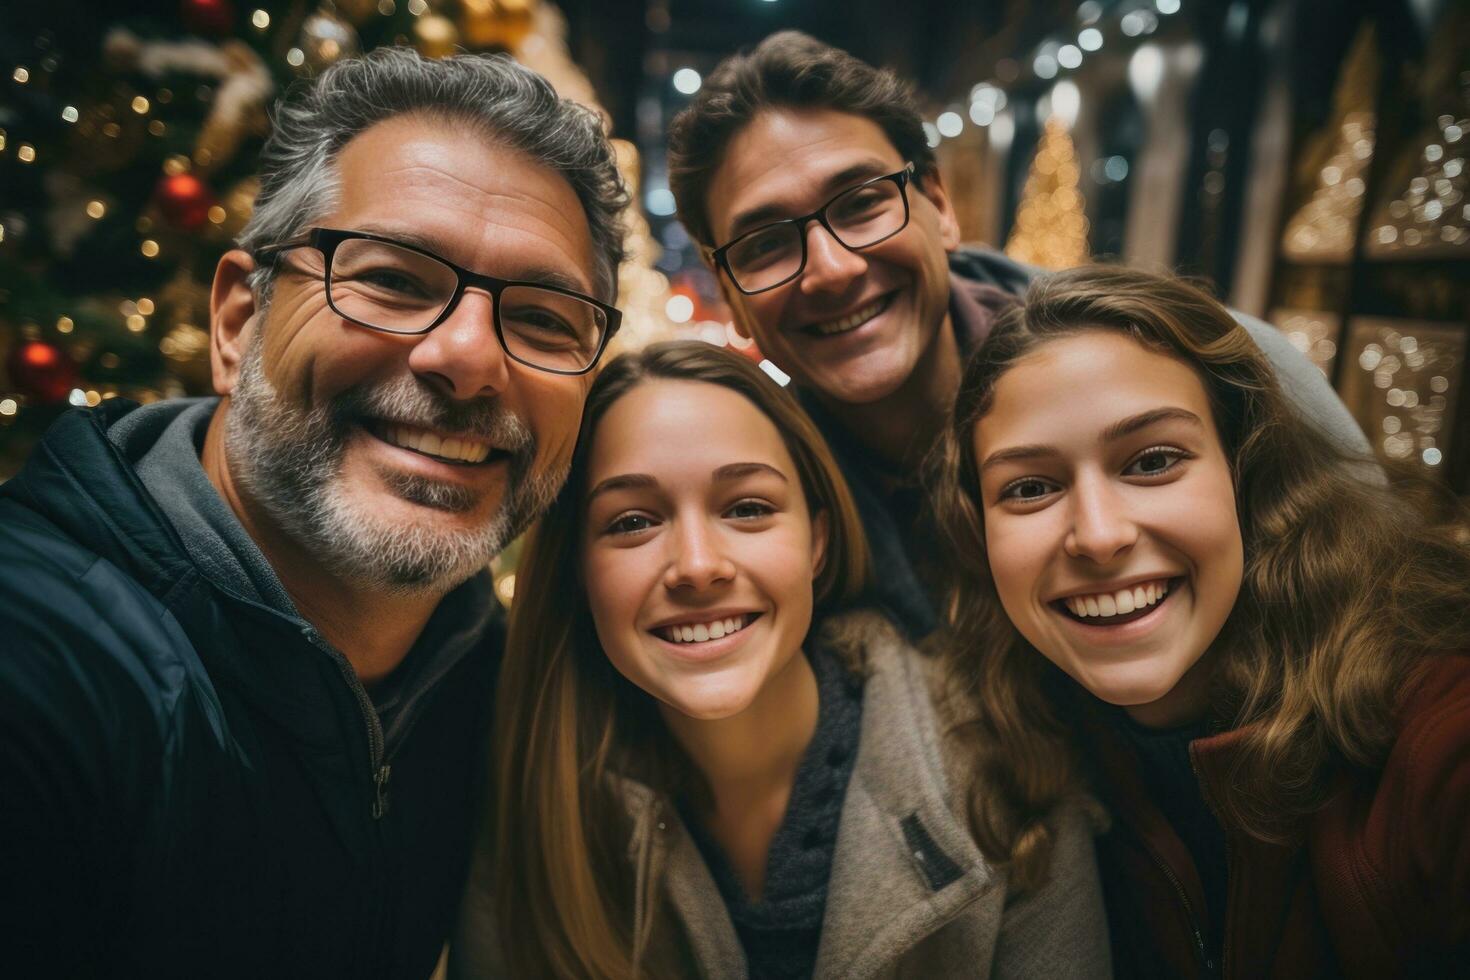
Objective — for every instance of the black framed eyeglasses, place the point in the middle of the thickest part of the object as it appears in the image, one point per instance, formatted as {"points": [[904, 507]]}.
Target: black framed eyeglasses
{"points": [[386, 285], [860, 217]]}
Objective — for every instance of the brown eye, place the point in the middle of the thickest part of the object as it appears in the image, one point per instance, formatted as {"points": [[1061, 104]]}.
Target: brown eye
{"points": [[1027, 490], [1155, 462]]}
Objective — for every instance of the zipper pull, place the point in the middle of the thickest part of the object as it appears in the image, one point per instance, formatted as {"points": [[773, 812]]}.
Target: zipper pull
{"points": [[380, 791]]}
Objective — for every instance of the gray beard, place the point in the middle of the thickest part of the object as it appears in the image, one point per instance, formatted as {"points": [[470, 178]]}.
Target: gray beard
{"points": [[289, 462]]}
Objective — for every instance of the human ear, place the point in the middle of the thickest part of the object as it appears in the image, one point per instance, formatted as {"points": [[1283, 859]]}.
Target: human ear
{"points": [[931, 185], [232, 315], [821, 527]]}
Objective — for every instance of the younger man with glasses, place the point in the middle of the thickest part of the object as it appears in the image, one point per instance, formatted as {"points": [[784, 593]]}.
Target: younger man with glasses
{"points": [[806, 176], [248, 644]]}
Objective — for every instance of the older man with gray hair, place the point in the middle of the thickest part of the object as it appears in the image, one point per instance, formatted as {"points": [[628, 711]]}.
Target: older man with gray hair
{"points": [[249, 642]]}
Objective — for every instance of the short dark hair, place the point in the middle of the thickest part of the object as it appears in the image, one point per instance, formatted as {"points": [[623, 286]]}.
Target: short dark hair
{"points": [[787, 70]]}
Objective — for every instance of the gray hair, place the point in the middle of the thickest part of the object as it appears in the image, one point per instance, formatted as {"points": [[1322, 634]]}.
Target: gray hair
{"points": [[515, 106]]}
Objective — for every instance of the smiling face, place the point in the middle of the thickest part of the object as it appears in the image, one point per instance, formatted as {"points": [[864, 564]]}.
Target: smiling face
{"points": [[854, 326], [1110, 519], [698, 550], [409, 461]]}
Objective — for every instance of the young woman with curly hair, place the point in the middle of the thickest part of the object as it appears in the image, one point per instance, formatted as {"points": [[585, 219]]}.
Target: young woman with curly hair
{"points": [[1174, 592]]}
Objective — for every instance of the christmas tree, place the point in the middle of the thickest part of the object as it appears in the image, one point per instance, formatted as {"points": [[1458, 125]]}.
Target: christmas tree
{"points": [[1051, 228], [127, 157]]}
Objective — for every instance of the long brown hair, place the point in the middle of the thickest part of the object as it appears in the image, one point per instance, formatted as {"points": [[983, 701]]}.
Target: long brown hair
{"points": [[1347, 585], [568, 724]]}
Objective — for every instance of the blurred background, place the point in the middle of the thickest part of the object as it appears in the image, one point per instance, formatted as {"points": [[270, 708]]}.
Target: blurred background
{"points": [[1308, 157]]}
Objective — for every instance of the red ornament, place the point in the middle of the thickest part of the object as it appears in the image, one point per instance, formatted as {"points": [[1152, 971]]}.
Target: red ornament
{"points": [[215, 18], [184, 201], [43, 373]]}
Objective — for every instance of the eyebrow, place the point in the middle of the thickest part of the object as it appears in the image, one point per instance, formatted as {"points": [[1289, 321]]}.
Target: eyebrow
{"points": [[1114, 432], [642, 481], [541, 275], [770, 213]]}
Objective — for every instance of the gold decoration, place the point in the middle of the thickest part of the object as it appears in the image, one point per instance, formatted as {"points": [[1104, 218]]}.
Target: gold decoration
{"points": [[1429, 217], [1323, 228], [1402, 385], [356, 11], [435, 35], [1051, 228], [239, 106], [1313, 332], [496, 23]]}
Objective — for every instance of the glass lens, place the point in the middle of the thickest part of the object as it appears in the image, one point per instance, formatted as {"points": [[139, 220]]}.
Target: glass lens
{"points": [[766, 256], [867, 213], [389, 287], [549, 329]]}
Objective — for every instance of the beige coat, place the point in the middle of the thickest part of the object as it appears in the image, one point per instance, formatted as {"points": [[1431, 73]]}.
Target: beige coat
{"points": [[909, 895]]}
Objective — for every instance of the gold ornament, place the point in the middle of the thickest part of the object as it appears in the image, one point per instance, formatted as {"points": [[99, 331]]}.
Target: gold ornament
{"points": [[324, 38], [356, 11], [435, 36], [239, 106], [496, 23]]}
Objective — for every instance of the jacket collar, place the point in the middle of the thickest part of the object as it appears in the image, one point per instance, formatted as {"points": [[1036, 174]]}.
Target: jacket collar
{"points": [[904, 863]]}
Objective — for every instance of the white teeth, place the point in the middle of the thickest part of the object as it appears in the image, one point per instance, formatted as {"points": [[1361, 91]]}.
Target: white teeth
{"points": [[1117, 603], [850, 321], [452, 448], [699, 632]]}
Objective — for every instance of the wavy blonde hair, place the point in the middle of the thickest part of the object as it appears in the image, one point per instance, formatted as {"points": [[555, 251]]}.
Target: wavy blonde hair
{"points": [[568, 724], [1347, 585]]}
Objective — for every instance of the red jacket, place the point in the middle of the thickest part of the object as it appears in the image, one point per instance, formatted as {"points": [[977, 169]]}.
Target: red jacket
{"points": [[1377, 886]]}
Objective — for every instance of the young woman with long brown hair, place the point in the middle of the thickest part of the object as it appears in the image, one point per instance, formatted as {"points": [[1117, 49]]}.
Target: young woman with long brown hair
{"points": [[704, 768], [1174, 592]]}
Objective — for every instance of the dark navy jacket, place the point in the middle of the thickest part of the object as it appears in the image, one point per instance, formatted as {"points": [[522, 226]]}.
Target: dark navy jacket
{"points": [[192, 783]]}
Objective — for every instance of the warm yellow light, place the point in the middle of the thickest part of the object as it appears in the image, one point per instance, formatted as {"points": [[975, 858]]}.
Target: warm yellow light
{"points": [[176, 164], [94, 398], [260, 19], [140, 104], [145, 306], [156, 127], [64, 324], [26, 153], [8, 407], [21, 75], [96, 209], [217, 215], [136, 323], [149, 247]]}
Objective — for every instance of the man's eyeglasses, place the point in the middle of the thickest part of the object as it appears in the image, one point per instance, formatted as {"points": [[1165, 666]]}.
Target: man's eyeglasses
{"points": [[862, 216], [385, 285]]}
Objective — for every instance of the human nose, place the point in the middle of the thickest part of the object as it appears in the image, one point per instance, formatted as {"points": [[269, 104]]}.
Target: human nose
{"points": [[697, 559], [830, 265], [1101, 527], [462, 356]]}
